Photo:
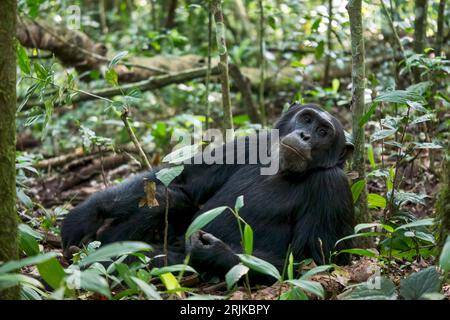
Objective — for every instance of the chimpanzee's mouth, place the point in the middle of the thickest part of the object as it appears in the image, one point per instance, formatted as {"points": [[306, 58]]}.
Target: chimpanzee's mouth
{"points": [[297, 152]]}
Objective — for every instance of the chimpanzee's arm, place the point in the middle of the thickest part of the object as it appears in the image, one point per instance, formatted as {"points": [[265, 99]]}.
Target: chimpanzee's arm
{"points": [[326, 217]]}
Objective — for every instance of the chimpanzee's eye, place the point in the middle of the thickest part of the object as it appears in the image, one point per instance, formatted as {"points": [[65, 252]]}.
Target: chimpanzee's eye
{"points": [[323, 132], [307, 119]]}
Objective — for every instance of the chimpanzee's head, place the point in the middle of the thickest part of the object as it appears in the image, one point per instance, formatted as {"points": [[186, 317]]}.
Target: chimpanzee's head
{"points": [[311, 138]]}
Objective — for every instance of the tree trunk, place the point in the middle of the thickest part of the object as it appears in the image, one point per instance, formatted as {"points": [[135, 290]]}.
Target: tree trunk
{"points": [[326, 75], [224, 78], [358, 104], [420, 27], [8, 218], [440, 27], [443, 203], [171, 7]]}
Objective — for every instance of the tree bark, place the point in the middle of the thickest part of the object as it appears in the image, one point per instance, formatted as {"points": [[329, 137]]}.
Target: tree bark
{"points": [[358, 103], [326, 75], [440, 27], [443, 203], [171, 8], [420, 27], [8, 217], [223, 65]]}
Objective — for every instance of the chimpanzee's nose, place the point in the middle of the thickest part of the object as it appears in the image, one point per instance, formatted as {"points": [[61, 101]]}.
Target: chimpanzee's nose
{"points": [[304, 136]]}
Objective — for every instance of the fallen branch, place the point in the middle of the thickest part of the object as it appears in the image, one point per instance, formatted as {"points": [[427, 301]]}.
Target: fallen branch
{"points": [[149, 84]]}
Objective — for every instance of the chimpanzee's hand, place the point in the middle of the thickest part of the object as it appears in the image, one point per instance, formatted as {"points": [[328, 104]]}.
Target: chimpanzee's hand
{"points": [[209, 252]]}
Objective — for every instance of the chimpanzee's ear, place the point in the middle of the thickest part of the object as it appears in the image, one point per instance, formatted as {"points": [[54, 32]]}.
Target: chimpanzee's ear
{"points": [[349, 147]]}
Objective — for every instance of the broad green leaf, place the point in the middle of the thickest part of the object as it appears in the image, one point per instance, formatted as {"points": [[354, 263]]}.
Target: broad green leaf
{"points": [[402, 198], [360, 252], [444, 259], [308, 274], [360, 235], [22, 59], [357, 188], [170, 282], [235, 274], [426, 145], [294, 293], [420, 88], [320, 49], [88, 280], [309, 286], [335, 83], [27, 240], [424, 118], [260, 265], [203, 219], [167, 175], [419, 283], [181, 154], [376, 201], [248, 239], [417, 106], [9, 280], [418, 223], [172, 268], [382, 134], [18, 264], [148, 289], [52, 272], [398, 96], [108, 251], [376, 288], [111, 77]]}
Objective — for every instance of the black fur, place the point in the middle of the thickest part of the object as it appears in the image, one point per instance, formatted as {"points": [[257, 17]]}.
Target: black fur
{"points": [[308, 207]]}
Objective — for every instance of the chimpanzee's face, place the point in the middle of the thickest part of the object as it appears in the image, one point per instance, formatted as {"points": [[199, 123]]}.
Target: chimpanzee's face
{"points": [[313, 139]]}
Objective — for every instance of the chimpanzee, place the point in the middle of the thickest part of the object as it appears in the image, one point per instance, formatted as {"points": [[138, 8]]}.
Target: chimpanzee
{"points": [[306, 206]]}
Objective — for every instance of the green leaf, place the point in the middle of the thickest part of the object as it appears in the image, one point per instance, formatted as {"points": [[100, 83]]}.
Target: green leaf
{"points": [[424, 118], [248, 239], [52, 272], [398, 96], [420, 283], [357, 188], [18, 264], [115, 60], [418, 223], [366, 117], [444, 259], [309, 286], [9, 280], [22, 59], [111, 77], [235, 274], [88, 280], [359, 235], [308, 274], [382, 134], [167, 175], [380, 288], [402, 198], [27, 240], [426, 145], [149, 290], [335, 85], [169, 281], [108, 251], [320, 49], [203, 219], [239, 203], [376, 201], [181, 154], [260, 265], [172, 268], [371, 157], [360, 252]]}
